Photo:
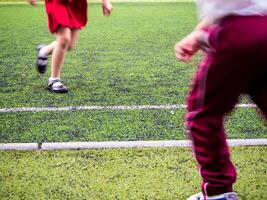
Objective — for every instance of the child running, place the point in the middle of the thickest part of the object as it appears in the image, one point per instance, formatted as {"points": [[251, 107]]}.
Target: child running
{"points": [[65, 19], [233, 34]]}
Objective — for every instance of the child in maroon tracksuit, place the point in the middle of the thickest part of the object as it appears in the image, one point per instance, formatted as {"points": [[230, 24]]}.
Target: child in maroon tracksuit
{"points": [[233, 35], [65, 19]]}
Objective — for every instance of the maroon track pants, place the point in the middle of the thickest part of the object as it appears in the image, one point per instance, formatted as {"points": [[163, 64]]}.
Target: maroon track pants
{"points": [[237, 64]]}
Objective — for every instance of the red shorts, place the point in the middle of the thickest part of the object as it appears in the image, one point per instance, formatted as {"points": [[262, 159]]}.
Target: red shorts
{"points": [[66, 13]]}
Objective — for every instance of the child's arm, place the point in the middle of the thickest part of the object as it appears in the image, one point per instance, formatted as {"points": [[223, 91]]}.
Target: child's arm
{"points": [[32, 2], [189, 45], [106, 7]]}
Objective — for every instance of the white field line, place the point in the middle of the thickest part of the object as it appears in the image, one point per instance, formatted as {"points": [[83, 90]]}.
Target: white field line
{"points": [[120, 144], [121, 107]]}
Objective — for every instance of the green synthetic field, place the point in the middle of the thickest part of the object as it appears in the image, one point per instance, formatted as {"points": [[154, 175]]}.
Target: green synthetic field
{"points": [[166, 174], [126, 59], [99, 1]]}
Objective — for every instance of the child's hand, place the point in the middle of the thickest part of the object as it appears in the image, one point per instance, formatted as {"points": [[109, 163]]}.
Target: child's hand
{"points": [[106, 8], [188, 46], [32, 2]]}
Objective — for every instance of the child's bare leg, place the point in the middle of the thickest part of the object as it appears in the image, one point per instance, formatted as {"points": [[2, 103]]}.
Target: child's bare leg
{"points": [[74, 38], [58, 52], [47, 49], [66, 39]]}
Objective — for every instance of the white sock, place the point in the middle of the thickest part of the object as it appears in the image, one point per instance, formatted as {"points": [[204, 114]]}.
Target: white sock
{"points": [[43, 52], [53, 79]]}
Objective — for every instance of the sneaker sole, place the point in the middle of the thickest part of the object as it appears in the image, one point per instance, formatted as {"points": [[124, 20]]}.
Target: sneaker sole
{"points": [[57, 91]]}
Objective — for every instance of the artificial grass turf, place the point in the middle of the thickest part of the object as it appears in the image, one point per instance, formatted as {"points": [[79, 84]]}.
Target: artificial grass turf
{"points": [[124, 59], [113, 1], [115, 125], [166, 173]]}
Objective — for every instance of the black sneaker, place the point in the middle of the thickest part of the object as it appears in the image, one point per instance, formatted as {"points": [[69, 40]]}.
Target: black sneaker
{"points": [[57, 86], [41, 61]]}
